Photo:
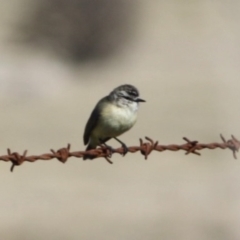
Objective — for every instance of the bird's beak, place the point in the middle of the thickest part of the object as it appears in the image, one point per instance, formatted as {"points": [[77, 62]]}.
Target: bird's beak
{"points": [[140, 100]]}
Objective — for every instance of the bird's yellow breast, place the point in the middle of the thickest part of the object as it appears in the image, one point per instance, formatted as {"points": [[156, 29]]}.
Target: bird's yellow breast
{"points": [[114, 121]]}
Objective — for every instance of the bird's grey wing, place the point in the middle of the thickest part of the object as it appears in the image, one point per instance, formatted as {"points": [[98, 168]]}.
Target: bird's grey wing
{"points": [[91, 124]]}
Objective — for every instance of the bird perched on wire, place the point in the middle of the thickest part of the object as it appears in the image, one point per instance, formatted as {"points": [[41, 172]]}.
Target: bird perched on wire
{"points": [[112, 116]]}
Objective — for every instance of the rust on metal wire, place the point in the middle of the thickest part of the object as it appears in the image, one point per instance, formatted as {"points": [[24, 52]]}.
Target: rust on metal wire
{"points": [[63, 154]]}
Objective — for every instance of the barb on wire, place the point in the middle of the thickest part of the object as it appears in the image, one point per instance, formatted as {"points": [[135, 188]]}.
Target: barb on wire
{"points": [[145, 148]]}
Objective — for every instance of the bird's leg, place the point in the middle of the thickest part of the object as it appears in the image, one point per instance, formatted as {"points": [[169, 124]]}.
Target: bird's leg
{"points": [[124, 146], [111, 150]]}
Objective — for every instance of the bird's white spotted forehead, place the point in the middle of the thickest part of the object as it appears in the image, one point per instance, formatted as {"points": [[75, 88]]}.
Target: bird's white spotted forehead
{"points": [[127, 90]]}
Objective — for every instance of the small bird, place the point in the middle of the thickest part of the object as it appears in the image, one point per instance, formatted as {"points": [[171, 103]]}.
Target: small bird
{"points": [[112, 116]]}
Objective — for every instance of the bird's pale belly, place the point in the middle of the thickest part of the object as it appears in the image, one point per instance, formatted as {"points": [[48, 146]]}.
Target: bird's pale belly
{"points": [[114, 121]]}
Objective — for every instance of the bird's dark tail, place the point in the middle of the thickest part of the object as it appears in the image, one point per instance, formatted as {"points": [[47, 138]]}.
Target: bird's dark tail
{"points": [[88, 156]]}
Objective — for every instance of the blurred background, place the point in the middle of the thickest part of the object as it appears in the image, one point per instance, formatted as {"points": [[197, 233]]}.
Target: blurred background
{"points": [[59, 57]]}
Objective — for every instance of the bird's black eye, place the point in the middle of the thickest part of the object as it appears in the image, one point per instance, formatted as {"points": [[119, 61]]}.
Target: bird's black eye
{"points": [[128, 98]]}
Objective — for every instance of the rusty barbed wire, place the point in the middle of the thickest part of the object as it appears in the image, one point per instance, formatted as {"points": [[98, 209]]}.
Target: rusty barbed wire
{"points": [[103, 152]]}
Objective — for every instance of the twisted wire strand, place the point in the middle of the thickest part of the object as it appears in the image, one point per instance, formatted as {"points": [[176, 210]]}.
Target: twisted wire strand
{"points": [[145, 148]]}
